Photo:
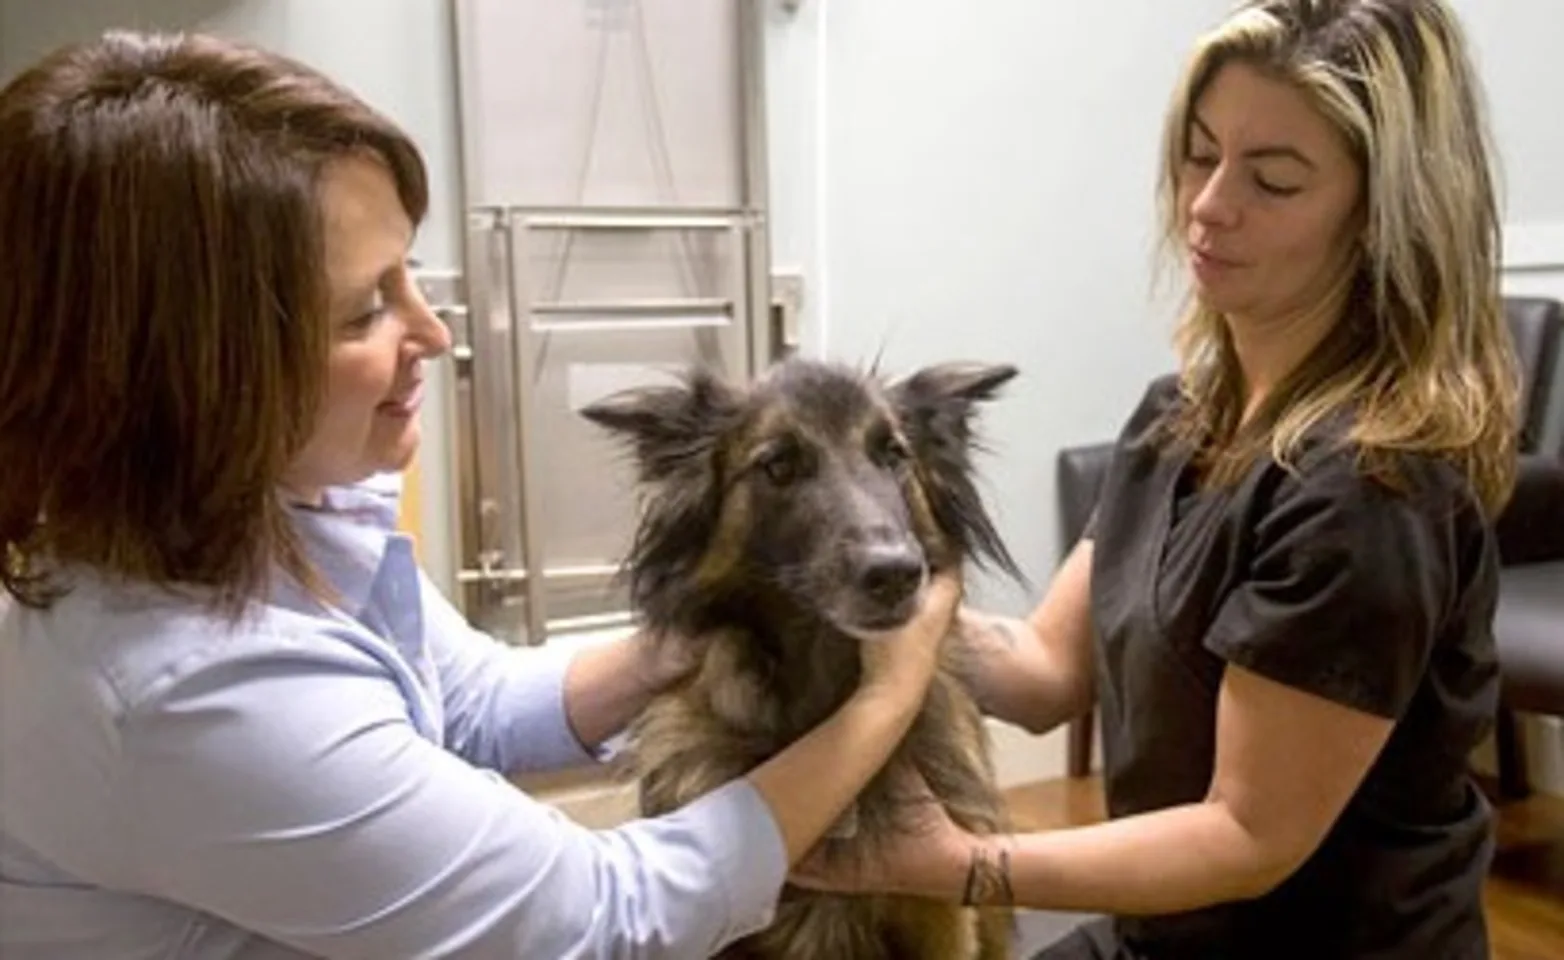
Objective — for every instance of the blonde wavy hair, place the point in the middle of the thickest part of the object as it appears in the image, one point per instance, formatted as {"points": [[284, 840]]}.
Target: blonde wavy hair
{"points": [[1423, 361]]}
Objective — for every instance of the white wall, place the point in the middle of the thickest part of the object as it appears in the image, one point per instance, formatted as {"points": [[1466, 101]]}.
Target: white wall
{"points": [[795, 83], [988, 193], [1515, 45]]}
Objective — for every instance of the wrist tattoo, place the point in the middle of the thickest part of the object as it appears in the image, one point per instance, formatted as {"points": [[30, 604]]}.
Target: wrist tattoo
{"points": [[988, 878]]}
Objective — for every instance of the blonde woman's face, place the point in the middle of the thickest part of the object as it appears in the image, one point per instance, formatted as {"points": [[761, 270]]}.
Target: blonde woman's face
{"points": [[1268, 196], [381, 330]]}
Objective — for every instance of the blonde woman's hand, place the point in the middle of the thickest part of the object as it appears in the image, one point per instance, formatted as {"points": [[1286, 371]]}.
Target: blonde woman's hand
{"points": [[928, 858], [901, 662]]}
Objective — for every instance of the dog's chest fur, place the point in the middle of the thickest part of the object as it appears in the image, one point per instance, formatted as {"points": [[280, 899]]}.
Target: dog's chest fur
{"points": [[739, 710]]}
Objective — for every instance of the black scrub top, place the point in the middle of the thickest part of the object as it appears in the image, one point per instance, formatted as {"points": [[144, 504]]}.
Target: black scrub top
{"points": [[1327, 581]]}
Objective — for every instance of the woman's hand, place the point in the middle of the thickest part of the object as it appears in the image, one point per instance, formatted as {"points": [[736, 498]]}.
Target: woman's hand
{"points": [[608, 685], [929, 859], [901, 662]]}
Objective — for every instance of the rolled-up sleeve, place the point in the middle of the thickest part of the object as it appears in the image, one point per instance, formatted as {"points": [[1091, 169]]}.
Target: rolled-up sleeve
{"points": [[289, 794]]}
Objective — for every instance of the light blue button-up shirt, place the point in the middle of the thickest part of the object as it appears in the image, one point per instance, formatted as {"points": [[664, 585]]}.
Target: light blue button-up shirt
{"points": [[308, 783]]}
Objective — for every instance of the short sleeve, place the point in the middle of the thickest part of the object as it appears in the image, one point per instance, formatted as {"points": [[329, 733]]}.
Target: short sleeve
{"points": [[1348, 587]]}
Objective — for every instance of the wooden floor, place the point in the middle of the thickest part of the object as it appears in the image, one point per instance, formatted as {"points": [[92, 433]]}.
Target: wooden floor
{"points": [[1525, 895]]}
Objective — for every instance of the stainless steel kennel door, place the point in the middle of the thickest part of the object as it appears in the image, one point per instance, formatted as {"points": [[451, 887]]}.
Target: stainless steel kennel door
{"points": [[614, 180]]}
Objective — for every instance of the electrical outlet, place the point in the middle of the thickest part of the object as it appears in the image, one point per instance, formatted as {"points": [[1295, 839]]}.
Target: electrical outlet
{"points": [[787, 303]]}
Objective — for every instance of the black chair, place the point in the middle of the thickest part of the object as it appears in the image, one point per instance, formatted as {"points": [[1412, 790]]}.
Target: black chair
{"points": [[1529, 626], [1080, 471]]}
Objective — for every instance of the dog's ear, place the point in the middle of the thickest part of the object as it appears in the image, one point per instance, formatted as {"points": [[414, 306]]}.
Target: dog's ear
{"points": [[939, 400], [936, 406], [669, 426], [675, 433]]}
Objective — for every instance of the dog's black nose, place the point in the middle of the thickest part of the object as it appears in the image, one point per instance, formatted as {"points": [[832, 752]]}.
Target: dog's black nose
{"points": [[890, 574]]}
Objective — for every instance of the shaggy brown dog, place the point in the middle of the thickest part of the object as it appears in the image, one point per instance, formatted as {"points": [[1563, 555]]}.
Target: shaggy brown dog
{"points": [[780, 523]]}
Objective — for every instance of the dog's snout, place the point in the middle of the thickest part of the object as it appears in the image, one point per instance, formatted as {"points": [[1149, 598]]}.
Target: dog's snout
{"points": [[890, 573]]}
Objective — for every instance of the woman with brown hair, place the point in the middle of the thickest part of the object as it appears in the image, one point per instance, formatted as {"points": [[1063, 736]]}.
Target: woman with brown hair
{"points": [[235, 719], [1283, 604]]}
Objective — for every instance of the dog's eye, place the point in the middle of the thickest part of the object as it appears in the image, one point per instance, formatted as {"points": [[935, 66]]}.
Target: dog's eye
{"points": [[781, 466], [888, 450]]}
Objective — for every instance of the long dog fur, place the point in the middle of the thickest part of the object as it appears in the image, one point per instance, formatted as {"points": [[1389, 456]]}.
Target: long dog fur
{"points": [[775, 665]]}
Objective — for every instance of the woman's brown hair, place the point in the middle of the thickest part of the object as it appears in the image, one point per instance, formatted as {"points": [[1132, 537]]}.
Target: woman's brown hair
{"points": [[162, 306]]}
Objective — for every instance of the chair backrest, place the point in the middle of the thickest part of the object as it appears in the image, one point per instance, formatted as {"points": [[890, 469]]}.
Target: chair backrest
{"points": [[1080, 471], [1535, 325]]}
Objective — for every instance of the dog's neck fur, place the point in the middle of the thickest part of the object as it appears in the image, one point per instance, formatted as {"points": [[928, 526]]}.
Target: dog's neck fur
{"points": [[802, 665]]}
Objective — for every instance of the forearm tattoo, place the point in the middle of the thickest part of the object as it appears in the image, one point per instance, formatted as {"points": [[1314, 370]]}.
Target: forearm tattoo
{"points": [[994, 632]]}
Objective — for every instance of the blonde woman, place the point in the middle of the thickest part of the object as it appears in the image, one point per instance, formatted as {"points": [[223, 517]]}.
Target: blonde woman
{"points": [[1283, 604]]}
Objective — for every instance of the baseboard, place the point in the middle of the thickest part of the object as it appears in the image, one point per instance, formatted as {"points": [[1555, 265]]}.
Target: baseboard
{"points": [[1545, 754]]}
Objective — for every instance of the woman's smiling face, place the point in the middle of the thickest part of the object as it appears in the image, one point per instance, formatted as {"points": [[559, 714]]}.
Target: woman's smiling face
{"points": [[381, 330]]}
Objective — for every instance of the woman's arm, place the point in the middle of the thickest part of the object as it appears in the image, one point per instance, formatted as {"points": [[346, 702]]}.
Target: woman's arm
{"points": [[520, 709], [1286, 763], [1035, 673], [291, 795], [810, 784], [608, 685]]}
